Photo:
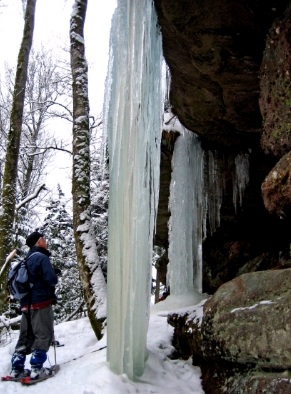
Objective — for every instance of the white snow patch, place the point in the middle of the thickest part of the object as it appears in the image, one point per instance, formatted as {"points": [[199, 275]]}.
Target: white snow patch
{"points": [[84, 369], [253, 306]]}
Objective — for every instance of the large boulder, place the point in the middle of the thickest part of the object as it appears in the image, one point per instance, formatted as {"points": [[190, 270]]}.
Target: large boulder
{"points": [[242, 339], [276, 188], [248, 320]]}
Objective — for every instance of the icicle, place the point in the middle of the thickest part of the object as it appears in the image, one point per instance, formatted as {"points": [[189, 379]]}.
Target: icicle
{"points": [[133, 115], [215, 184], [188, 212], [167, 79], [196, 196], [241, 178]]}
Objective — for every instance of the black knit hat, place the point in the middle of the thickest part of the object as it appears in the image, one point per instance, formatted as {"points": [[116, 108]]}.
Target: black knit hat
{"points": [[32, 239]]}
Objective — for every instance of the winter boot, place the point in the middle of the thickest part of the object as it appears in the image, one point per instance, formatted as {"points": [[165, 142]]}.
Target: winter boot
{"points": [[41, 372], [17, 361], [16, 374]]}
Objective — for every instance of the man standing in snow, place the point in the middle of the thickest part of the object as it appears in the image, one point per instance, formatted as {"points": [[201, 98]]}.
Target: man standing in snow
{"points": [[36, 328]]}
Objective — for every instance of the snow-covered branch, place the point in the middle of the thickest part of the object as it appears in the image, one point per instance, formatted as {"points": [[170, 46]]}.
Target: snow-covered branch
{"points": [[30, 197], [8, 322], [8, 258]]}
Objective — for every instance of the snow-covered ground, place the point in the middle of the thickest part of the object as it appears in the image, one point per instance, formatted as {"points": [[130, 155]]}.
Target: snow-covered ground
{"points": [[84, 370]]}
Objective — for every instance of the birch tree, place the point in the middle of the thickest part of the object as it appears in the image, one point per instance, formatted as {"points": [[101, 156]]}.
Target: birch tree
{"points": [[93, 282], [14, 137]]}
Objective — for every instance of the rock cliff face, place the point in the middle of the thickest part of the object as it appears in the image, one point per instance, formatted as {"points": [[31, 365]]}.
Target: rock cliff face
{"points": [[214, 50], [230, 69]]}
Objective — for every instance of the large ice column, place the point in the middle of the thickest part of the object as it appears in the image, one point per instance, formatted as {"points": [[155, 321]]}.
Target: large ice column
{"points": [[188, 215], [133, 119]]}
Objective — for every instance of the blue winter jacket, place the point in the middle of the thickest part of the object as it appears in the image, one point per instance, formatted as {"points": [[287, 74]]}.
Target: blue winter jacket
{"points": [[41, 275]]}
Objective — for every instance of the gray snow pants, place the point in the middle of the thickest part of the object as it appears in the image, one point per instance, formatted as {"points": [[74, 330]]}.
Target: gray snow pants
{"points": [[36, 331]]}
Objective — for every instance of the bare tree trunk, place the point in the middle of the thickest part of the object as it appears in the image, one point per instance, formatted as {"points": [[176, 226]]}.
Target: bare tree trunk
{"points": [[14, 136], [90, 271]]}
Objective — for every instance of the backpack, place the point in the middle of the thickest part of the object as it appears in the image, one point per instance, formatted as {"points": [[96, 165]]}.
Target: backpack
{"points": [[18, 279]]}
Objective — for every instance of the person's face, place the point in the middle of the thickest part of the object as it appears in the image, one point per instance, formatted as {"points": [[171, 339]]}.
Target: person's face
{"points": [[42, 243]]}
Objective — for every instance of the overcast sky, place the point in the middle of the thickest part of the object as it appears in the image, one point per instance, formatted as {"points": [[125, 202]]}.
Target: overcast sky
{"points": [[52, 30]]}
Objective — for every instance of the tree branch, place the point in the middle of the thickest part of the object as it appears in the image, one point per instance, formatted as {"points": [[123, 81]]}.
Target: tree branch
{"points": [[8, 322], [74, 313], [30, 197], [46, 148], [8, 259]]}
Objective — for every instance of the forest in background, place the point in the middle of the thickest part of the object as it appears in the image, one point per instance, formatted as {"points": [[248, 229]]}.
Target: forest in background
{"points": [[41, 90], [54, 99]]}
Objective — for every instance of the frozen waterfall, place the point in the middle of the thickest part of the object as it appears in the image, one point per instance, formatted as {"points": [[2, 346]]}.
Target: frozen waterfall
{"points": [[198, 184], [133, 120]]}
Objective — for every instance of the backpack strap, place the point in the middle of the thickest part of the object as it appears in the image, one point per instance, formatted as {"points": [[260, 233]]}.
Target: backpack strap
{"points": [[26, 260], [29, 295], [28, 257]]}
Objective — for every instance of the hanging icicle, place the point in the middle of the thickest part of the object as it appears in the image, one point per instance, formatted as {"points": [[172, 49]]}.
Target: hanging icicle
{"points": [[240, 178]]}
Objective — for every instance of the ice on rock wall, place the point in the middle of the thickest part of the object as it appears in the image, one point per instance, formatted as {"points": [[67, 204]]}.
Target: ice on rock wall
{"points": [[133, 120], [197, 188], [187, 206]]}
